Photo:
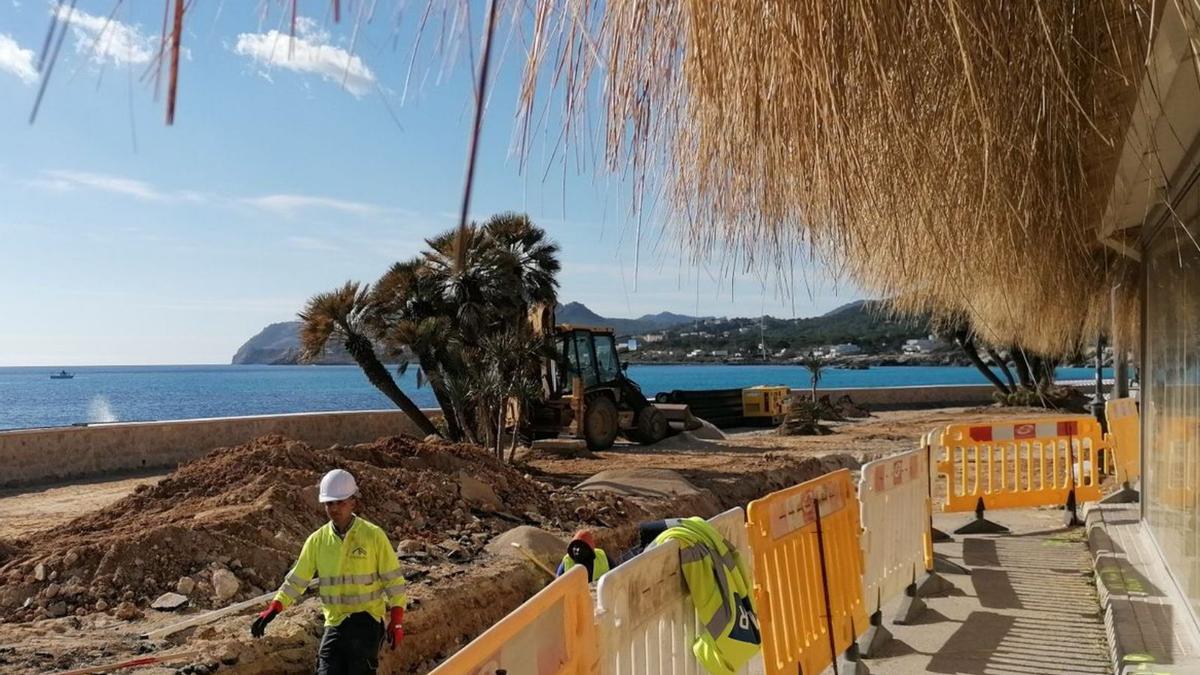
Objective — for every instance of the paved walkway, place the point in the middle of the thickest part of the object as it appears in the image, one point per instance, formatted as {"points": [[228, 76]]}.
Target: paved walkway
{"points": [[1150, 626], [1029, 606]]}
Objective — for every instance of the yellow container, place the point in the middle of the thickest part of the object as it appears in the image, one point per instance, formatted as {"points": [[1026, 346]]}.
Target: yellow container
{"points": [[765, 401]]}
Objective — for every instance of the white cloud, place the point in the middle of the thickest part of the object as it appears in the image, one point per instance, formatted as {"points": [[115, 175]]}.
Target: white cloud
{"points": [[62, 180], [104, 40], [309, 52], [291, 205], [17, 61], [66, 180]]}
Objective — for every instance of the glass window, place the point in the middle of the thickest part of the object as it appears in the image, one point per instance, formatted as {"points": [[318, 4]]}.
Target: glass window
{"points": [[606, 358], [1171, 395], [569, 366], [587, 360]]}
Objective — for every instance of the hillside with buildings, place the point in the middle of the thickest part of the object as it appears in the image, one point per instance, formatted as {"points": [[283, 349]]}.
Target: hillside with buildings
{"points": [[860, 331]]}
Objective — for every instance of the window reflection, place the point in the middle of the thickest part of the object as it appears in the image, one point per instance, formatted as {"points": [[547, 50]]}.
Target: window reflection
{"points": [[1171, 395]]}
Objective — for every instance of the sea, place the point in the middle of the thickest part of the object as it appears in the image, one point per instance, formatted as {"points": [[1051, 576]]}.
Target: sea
{"points": [[29, 398]]}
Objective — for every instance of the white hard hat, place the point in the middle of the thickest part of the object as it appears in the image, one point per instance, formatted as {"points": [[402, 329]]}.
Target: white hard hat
{"points": [[337, 485]]}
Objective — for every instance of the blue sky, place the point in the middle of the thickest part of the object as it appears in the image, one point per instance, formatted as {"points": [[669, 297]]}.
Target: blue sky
{"points": [[124, 241]]}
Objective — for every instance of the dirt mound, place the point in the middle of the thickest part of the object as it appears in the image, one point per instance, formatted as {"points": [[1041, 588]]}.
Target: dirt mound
{"points": [[247, 510]]}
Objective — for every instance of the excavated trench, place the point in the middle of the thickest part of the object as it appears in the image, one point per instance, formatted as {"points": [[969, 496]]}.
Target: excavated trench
{"points": [[451, 612]]}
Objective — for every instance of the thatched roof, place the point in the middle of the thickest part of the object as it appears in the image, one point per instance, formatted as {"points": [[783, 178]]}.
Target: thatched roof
{"points": [[955, 155]]}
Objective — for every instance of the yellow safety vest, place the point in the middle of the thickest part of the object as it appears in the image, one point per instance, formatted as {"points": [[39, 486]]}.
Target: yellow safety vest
{"points": [[719, 583], [599, 565], [357, 574]]}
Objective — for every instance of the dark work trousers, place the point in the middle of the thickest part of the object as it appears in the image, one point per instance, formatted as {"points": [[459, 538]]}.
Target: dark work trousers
{"points": [[351, 647]]}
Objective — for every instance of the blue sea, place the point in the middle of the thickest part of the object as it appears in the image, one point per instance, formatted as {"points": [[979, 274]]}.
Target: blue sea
{"points": [[29, 398]]}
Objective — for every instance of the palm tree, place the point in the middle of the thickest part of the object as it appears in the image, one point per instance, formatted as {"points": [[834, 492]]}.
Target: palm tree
{"points": [[814, 365], [450, 306], [407, 313], [341, 315], [531, 257]]}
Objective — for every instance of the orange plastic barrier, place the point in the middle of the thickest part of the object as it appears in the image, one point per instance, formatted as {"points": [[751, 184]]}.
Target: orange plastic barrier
{"points": [[807, 573], [1125, 436], [553, 633], [1020, 463]]}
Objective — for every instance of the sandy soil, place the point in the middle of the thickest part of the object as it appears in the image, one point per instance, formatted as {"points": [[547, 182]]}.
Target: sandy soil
{"points": [[452, 600], [25, 511]]}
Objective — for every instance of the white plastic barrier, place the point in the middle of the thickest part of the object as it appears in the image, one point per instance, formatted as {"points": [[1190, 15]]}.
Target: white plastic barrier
{"points": [[552, 633], [893, 492], [645, 617]]}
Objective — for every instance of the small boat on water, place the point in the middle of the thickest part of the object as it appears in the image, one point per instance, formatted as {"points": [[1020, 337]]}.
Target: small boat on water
{"points": [[62, 375]]}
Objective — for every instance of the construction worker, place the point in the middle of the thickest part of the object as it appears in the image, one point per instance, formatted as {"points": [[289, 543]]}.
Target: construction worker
{"points": [[359, 579], [583, 551]]}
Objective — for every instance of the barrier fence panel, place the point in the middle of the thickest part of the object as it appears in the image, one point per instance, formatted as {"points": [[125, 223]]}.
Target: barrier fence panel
{"points": [[894, 493], [807, 573], [1126, 438], [551, 634], [645, 617], [929, 444], [1020, 463]]}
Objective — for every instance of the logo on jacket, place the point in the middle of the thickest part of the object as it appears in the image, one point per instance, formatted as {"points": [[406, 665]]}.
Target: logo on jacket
{"points": [[358, 552], [745, 625]]}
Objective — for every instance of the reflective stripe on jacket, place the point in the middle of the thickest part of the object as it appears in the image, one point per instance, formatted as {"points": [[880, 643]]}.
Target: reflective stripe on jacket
{"points": [[357, 574], [600, 566], [719, 582]]}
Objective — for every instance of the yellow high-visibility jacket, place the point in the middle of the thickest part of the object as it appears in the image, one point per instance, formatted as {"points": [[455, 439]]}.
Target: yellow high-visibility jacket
{"points": [[357, 574], [719, 582]]}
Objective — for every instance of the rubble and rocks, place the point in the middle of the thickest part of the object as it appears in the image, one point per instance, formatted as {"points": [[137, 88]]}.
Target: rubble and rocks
{"points": [[168, 602], [225, 584], [478, 492], [127, 611], [185, 585], [245, 511], [541, 544]]}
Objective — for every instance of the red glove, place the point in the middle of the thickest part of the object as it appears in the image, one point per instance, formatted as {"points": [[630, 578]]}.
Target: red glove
{"points": [[395, 632], [264, 618]]}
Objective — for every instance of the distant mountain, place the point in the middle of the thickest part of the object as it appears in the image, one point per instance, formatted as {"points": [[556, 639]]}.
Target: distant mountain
{"points": [[849, 307], [279, 344], [578, 313]]}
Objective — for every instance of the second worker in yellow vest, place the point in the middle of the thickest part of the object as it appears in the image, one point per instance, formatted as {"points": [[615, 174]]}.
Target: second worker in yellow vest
{"points": [[583, 551]]}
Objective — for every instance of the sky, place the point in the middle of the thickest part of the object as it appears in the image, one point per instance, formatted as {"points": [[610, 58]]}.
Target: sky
{"points": [[292, 167]]}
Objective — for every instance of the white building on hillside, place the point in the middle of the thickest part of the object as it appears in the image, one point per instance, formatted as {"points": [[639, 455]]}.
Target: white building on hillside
{"points": [[922, 345], [846, 349]]}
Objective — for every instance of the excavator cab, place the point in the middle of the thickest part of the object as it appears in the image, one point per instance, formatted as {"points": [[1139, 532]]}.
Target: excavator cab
{"points": [[588, 394]]}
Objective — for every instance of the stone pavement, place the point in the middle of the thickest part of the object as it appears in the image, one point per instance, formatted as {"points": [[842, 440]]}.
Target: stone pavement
{"points": [[1029, 606], [1147, 619]]}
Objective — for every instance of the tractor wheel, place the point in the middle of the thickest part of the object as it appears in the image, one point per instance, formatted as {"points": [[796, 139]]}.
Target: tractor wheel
{"points": [[652, 426], [600, 423]]}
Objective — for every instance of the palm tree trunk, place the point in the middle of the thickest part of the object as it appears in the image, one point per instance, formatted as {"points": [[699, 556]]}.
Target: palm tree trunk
{"points": [[500, 433], [363, 352], [1024, 370], [963, 338], [437, 383], [1003, 366], [512, 449]]}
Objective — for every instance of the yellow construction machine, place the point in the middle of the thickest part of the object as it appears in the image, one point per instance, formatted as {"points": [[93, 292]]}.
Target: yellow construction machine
{"points": [[587, 394]]}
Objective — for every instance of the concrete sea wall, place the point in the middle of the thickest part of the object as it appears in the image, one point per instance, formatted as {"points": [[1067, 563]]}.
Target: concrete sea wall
{"points": [[41, 456], [912, 398], [38, 456]]}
